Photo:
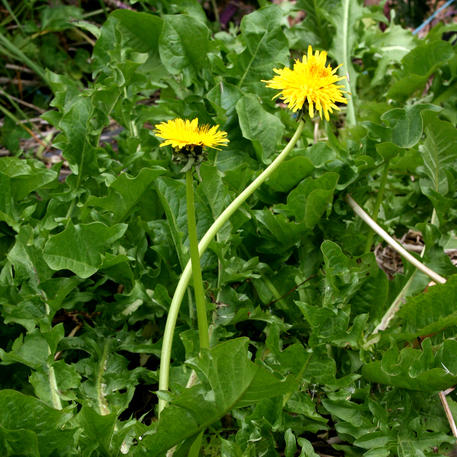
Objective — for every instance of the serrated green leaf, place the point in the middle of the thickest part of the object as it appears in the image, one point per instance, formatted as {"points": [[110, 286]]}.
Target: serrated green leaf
{"points": [[125, 192], [98, 428], [374, 440], [183, 45], [290, 173], [425, 58], [26, 175], [440, 152], [14, 443], [291, 443], [415, 369], [19, 412], [234, 382], [419, 64], [427, 313], [406, 125], [266, 43], [316, 20], [311, 198], [262, 128], [79, 248], [133, 30]]}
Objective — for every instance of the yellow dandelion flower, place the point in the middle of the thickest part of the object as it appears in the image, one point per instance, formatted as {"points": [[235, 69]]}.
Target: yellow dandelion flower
{"points": [[186, 134], [309, 81]]}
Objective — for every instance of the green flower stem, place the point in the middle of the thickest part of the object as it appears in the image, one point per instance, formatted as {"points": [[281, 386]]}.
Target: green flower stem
{"points": [[377, 205], [398, 247], [195, 262], [203, 245]]}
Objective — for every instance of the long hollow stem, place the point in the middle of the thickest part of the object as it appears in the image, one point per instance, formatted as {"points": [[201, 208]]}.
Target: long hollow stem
{"points": [[203, 245], [397, 246], [377, 205], [200, 303]]}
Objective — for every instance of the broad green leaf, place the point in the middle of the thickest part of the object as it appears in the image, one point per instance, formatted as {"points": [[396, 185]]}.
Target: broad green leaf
{"points": [[125, 192], [373, 297], [171, 195], [291, 443], [320, 367], [18, 178], [279, 234], [216, 192], [135, 30], [348, 411], [406, 86], [188, 7], [195, 449], [375, 440], [428, 312], [312, 198], [261, 127], [18, 443], [140, 31], [344, 275], [290, 173], [56, 291], [27, 258], [79, 248], [60, 17], [332, 326], [406, 125], [391, 45], [98, 428], [425, 58], [31, 350], [233, 381], [307, 449], [440, 152], [26, 175], [418, 65], [76, 147], [316, 20], [224, 95], [22, 412], [214, 189], [415, 369], [8, 210], [266, 43], [388, 150], [183, 45]]}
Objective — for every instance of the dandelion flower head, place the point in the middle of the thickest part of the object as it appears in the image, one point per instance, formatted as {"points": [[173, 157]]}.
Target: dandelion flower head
{"points": [[186, 134], [309, 81]]}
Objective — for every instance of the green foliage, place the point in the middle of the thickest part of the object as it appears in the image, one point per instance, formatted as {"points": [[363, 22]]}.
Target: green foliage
{"points": [[93, 246]]}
